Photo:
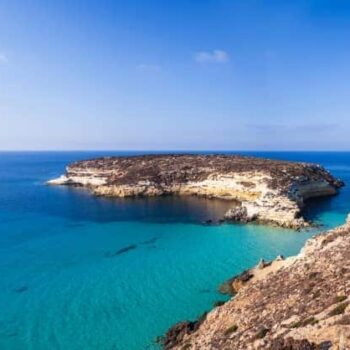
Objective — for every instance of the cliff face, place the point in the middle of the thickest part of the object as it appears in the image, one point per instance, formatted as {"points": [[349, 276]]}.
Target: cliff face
{"points": [[300, 303], [268, 191]]}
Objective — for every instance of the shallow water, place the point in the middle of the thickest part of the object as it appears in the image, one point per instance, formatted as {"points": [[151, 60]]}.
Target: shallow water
{"points": [[80, 272]]}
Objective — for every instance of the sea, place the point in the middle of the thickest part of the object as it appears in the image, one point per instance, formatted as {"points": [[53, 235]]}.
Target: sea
{"points": [[84, 272]]}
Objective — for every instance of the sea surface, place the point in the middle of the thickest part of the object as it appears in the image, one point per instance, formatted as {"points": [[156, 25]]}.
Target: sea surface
{"points": [[80, 272]]}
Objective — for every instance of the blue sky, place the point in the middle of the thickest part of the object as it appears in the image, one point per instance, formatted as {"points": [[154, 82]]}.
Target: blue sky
{"points": [[184, 74]]}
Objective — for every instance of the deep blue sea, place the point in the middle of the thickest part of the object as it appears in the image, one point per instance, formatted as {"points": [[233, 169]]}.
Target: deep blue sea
{"points": [[80, 272]]}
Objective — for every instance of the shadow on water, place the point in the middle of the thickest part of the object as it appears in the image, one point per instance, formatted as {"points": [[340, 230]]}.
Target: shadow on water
{"points": [[20, 290], [149, 243], [120, 251], [79, 205], [315, 207]]}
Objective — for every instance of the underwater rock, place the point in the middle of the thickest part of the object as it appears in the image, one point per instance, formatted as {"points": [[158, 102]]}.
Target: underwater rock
{"points": [[21, 289], [121, 251]]}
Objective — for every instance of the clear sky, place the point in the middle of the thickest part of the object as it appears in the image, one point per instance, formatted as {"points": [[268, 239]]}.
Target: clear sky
{"points": [[180, 74]]}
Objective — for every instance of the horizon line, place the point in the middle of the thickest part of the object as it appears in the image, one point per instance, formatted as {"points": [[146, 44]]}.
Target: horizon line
{"points": [[169, 150]]}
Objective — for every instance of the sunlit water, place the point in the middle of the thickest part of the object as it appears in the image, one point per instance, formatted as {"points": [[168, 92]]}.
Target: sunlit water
{"points": [[80, 272]]}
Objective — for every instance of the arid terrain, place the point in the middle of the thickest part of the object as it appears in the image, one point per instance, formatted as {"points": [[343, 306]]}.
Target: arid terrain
{"points": [[301, 303]]}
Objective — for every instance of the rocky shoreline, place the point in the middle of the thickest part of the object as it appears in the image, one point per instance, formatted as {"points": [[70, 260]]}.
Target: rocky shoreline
{"points": [[267, 191], [299, 303]]}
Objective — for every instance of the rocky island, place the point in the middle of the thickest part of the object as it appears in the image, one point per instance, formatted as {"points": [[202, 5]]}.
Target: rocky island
{"points": [[300, 303], [261, 190]]}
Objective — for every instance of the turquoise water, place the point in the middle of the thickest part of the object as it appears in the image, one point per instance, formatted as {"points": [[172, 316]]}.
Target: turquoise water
{"points": [[79, 272]]}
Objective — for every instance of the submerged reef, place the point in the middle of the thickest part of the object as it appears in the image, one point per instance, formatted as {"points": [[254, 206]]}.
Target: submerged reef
{"points": [[261, 190]]}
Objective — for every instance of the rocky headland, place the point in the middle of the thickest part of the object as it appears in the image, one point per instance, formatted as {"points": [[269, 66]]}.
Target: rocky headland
{"points": [[299, 303], [261, 190]]}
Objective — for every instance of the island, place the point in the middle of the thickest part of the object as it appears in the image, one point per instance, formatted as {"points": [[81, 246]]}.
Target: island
{"points": [[261, 190], [298, 303]]}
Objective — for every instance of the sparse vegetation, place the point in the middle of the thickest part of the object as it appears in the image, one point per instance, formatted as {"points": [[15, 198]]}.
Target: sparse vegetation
{"points": [[262, 333], [317, 294], [340, 298], [247, 184], [344, 270], [304, 323], [338, 310], [231, 329], [313, 275]]}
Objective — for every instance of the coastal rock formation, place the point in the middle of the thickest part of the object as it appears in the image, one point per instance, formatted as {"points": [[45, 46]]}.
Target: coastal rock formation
{"points": [[302, 302], [262, 190]]}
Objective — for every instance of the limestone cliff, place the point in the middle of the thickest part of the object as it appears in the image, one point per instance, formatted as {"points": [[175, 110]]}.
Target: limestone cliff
{"points": [[268, 191], [301, 303]]}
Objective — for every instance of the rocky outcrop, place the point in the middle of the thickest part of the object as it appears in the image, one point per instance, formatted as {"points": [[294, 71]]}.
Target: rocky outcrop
{"points": [[302, 302], [262, 190]]}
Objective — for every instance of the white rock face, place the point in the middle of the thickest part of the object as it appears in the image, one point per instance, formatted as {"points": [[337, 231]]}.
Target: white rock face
{"points": [[62, 180], [89, 181]]}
